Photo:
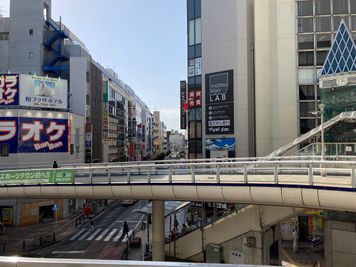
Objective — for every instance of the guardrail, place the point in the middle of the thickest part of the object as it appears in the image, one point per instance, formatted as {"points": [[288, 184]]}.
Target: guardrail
{"points": [[340, 173], [37, 262]]}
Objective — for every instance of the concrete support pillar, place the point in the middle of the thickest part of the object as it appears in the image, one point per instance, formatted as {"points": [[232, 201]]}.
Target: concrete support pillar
{"points": [[158, 253]]}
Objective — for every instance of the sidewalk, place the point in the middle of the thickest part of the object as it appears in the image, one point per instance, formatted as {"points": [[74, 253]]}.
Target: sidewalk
{"points": [[22, 240]]}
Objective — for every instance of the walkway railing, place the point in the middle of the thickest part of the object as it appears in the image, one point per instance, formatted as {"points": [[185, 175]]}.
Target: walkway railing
{"points": [[310, 172]]}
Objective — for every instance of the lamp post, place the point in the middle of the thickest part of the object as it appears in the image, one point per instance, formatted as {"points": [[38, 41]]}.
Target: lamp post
{"points": [[321, 107]]}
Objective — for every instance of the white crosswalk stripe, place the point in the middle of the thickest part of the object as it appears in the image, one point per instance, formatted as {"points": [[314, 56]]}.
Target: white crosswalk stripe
{"points": [[84, 235], [102, 234], [118, 236], [110, 235], [94, 234], [124, 240], [77, 234]]}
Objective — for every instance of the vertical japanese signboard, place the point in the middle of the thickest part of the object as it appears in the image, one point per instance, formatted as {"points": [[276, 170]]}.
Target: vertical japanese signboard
{"points": [[9, 90], [219, 101], [183, 99]]}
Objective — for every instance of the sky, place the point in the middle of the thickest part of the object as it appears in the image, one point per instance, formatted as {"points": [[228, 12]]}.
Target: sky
{"points": [[143, 41]]}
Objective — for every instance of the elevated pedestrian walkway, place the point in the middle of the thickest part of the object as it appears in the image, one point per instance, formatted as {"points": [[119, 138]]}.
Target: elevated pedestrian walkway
{"points": [[249, 231]]}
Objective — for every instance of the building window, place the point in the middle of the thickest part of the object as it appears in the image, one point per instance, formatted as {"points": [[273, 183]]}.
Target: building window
{"points": [[306, 41], [306, 92], [30, 55], [323, 24], [322, 7], [340, 6], [323, 40], [88, 77], [194, 31], [307, 76], [353, 23], [30, 32], [4, 36], [305, 25], [321, 57], [353, 7], [4, 150], [306, 108], [306, 58], [305, 8], [306, 125]]}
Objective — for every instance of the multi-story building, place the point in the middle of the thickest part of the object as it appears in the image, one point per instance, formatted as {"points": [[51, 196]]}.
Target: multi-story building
{"points": [[253, 69], [58, 104], [176, 141]]}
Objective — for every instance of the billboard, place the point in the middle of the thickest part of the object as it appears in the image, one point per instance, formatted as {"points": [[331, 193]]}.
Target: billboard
{"points": [[42, 135], [219, 101], [220, 144], [9, 90], [30, 135], [183, 98], [8, 133], [43, 92]]}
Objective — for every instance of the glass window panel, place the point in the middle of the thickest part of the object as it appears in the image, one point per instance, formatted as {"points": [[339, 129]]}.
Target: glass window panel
{"points": [[198, 50], [192, 129], [306, 41], [306, 58], [320, 57], [5, 150], [191, 33], [307, 76], [305, 8], [318, 93], [198, 129], [305, 25], [323, 24], [190, 7], [306, 109], [198, 31], [337, 21], [197, 11], [353, 23], [340, 6], [353, 6], [191, 52], [307, 125], [198, 84], [323, 40], [322, 7], [306, 92]]}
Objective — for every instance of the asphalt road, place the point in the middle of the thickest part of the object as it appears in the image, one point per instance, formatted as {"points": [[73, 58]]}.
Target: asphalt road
{"points": [[103, 240]]}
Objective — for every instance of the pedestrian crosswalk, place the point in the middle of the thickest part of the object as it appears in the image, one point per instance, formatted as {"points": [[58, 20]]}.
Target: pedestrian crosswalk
{"points": [[99, 234]]}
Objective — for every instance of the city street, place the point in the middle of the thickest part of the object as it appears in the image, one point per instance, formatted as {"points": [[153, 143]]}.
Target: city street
{"points": [[102, 240]]}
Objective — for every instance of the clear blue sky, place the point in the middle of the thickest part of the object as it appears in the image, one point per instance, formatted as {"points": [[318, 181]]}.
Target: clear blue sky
{"points": [[143, 40]]}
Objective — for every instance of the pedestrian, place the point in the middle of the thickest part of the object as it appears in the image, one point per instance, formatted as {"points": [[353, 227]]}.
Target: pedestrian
{"points": [[55, 165], [184, 229], [126, 229], [92, 224]]}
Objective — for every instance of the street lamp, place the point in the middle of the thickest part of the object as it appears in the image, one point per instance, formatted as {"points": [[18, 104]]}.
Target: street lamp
{"points": [[321, 107], [316, 113]]}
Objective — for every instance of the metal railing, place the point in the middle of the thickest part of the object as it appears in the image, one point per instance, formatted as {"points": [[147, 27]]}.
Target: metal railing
{"points": [[336, 173]]}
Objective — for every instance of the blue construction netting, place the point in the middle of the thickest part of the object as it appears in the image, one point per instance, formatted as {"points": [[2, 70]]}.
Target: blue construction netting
{"points": [[342, 55]]}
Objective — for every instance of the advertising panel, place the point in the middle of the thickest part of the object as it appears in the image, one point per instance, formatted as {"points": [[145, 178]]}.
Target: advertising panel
{"points": [[9, 90], [8, 133], [220, 148], [219, 101], [42, 135], [37, 177], [183, 99], [44, 92]]}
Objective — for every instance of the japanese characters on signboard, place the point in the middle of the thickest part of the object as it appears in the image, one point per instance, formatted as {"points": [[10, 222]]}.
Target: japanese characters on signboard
{"points": [[194, 98], [9, 90], [30, 135], [194, 67], [44, 92], [8, 133], [219, 99], [183, 99], [43, 135]]}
